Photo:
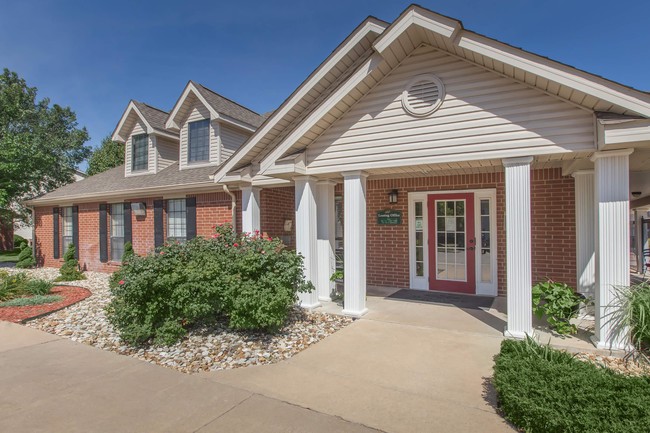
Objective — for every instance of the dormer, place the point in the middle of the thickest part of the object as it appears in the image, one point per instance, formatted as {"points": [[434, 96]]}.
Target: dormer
{"points": [[211, 127], [149, 147]]}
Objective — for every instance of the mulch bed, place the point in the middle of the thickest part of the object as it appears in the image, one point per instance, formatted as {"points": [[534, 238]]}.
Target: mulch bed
{"points": [[71, 295]]}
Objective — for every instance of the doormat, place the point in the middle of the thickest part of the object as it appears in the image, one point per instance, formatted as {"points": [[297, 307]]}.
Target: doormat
{"points": [[460, 301]]}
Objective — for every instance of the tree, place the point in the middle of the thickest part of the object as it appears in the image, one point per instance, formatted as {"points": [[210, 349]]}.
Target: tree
{"points": [[40, 144], [109, 154], [69, 270]]}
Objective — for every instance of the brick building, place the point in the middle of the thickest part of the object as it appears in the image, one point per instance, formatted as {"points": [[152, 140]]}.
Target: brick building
{"points": [[431, 157]]}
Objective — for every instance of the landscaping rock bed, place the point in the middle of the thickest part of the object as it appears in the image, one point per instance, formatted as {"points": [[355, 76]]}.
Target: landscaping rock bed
{"points": [[207, 348], [628, 367]]}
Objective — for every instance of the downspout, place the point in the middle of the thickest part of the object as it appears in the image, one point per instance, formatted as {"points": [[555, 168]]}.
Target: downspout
{"points": [[233, 206]]}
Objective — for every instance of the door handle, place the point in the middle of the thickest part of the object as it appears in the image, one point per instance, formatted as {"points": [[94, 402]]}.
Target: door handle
{"points": [[471, 248]]}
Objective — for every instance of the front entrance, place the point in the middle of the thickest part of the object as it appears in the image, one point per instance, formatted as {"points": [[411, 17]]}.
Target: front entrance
{"points": [[452, 242]]}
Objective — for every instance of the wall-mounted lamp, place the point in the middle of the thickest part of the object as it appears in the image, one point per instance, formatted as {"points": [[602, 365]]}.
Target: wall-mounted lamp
{"points": [[139, 209], [392, 197], [636, 194]]}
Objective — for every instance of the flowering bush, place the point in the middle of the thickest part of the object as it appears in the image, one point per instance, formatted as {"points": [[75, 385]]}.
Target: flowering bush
{"points": [[250, 280]]}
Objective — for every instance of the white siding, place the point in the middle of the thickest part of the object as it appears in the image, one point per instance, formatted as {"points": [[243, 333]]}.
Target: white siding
{"points": [[198, 112], [231, 140], [167, 152], [484, 115], [139, 128]]}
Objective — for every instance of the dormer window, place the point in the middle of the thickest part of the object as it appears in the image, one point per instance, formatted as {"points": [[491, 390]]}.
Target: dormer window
{"points": [[199, 141], [140, 156]]}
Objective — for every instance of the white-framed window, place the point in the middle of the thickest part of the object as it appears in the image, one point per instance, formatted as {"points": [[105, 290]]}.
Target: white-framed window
{"points": [[484, 223], [176, 220], [140, 152], [199, 141], [117, 231], [66, 228]]}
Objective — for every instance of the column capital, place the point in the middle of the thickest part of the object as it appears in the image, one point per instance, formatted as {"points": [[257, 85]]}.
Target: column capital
{"points": [[354, 173], [522, 160], [581, 173], [611, 153]]}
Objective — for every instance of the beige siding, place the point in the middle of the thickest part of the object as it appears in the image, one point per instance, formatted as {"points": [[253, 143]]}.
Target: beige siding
{"points": [[167, 152], [231, 140], [483, 116], [139, 128], [198, 112]]}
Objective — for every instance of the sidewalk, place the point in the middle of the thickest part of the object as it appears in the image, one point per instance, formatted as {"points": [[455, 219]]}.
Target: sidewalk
{"points": [[51, 384]]}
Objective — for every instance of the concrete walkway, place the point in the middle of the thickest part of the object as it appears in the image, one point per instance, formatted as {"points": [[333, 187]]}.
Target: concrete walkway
{"points": [[50, 384], [404, 367]]}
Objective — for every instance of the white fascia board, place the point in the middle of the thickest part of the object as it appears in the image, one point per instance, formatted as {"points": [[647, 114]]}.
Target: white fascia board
{"points": [[165, 134], [444, 26], [117, 134], [629, 132], [294, 164], [370, 26], [362, 72], [239, 124], [597, 87], [190, 88]]}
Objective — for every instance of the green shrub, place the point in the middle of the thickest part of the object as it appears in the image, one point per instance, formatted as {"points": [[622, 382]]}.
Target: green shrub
{"points": [[38, 287], [12, 286], [32, 300], [559, 303], [70, 269], [250, 281], [26, 257], [18, 242], [634, 313], [541, 389], [128, 252]]}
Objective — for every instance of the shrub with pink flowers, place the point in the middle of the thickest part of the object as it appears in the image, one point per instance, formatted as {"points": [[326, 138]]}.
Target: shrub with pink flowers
{"points": [[249, 280]]}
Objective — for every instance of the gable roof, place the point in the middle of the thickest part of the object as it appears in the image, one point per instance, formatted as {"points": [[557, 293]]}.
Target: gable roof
{"points": [[113, 183], [220, 108], [417, 26], [153, 118]]}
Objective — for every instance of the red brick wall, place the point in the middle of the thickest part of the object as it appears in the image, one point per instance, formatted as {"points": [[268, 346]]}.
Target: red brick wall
{"points": [[278, 205], [211, 209], [553, 225]]}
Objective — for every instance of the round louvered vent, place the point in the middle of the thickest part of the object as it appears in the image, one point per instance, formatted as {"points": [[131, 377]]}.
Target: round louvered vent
{"points": [[423, 95]]}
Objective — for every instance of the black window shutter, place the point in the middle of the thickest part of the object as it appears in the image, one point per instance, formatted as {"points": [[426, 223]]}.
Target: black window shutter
{"points": [[127, 223], [158, 235], [75, 230], [55, 233], [190, 218], [103, 234]]}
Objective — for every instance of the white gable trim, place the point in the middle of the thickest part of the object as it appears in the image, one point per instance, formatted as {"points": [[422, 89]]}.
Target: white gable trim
{"points": [[117, 134], [172, 121], [370, 26]]}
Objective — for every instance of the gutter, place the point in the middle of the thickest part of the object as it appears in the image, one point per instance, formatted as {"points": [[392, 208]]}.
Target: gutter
{"points": [[233, 206]]}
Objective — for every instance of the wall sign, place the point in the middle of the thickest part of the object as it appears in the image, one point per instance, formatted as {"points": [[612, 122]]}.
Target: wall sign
{"points": [[389, 217]]}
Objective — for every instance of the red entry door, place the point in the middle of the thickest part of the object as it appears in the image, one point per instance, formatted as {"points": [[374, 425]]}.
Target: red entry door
{"points": [[452, 244]]}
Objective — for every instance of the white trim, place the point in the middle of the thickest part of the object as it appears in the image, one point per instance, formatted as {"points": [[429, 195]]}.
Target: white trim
{"points": [[371, 25], [422, 283]]}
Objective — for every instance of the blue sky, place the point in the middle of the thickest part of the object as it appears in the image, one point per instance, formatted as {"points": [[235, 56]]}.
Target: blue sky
{"points": [[96, 56]]}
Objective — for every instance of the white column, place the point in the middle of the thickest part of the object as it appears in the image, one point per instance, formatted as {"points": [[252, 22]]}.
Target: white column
{"points": [[306, 240], [326, 258], [612, 206], [250, 213], [585, 226], [354, 243], [518, 247]]}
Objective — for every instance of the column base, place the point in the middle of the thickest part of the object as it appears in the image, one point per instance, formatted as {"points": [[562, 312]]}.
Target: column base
{"points": [[518, 335], [355, 314], [603, 345], [311, 306]]}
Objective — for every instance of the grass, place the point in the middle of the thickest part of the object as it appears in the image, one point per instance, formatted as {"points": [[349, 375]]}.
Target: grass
{"points": [[32, 300], [541, 389], [9, 256]]}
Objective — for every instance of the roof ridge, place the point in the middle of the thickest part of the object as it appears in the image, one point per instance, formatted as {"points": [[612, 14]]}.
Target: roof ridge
{"points": [[226, 98]]}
